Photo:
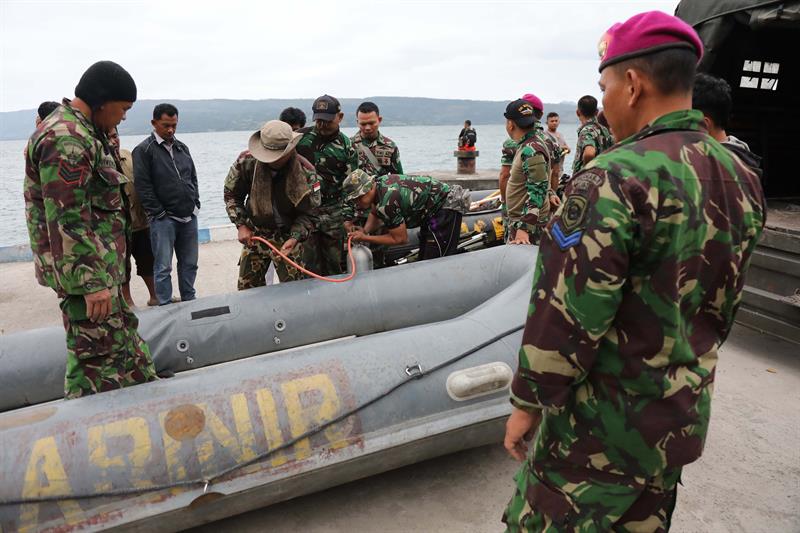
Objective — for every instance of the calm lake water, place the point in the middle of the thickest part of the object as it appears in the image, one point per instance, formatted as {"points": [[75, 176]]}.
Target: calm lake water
{"points": [[422, 148]]}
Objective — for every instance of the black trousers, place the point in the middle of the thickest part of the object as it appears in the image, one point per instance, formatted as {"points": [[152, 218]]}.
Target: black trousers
{"points": [[439, 236], [139, 247]]}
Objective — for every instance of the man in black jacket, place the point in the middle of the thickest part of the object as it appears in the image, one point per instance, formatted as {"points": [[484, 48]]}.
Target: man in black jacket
{"points": [[166, 182]]}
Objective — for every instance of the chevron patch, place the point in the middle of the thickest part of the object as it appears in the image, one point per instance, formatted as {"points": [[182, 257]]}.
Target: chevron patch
{"points": [[565, 241], [71, 173]]}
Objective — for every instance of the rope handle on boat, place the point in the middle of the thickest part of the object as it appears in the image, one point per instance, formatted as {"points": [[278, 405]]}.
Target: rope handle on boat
{"points": [[308, 272], [413, 372]]}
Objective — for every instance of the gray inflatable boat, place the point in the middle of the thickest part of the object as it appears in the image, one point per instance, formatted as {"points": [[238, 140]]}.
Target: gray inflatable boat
{"points": [[277, 392]]}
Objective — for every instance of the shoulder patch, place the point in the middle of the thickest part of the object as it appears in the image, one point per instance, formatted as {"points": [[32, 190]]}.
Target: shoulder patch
{"points": [[568, 228], [587, 181], [574, 213]]}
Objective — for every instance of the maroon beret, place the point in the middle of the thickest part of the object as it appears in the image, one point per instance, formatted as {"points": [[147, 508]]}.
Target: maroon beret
{"points": [[646, 33], [534, 100]]}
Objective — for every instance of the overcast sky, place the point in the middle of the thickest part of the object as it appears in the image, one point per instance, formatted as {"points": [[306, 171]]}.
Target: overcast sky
{"points": [[297, 48]]}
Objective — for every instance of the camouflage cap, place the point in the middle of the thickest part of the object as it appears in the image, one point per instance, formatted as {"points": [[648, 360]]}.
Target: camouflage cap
{"points": [[357, 184]]}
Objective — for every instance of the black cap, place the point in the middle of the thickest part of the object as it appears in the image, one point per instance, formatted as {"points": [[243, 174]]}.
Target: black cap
{"points": [[521, 113], [326, 107], [105, 81]]}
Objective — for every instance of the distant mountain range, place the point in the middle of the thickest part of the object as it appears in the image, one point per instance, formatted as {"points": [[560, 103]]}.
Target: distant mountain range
{"points": [[239, 115]]}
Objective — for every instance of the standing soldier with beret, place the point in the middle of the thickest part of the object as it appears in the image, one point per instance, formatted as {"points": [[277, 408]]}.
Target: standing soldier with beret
{"points": [[638, 279], [271, 192], [78, 223], [333, 157]]}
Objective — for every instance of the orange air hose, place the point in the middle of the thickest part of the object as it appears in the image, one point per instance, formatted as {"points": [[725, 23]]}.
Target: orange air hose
{"points": [[308, 272]]}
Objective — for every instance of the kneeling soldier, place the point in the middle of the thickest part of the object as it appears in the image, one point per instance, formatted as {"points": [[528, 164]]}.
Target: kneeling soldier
{"points": [[271, 192], [400, 202]]}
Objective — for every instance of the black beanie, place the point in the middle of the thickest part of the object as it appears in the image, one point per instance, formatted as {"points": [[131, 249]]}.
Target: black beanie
{"points": [[105, 81]]}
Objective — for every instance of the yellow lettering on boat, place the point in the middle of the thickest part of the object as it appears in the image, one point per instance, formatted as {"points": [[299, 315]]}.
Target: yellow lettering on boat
{"points": [[310, 401], [45, 476], [272, 428], [240, 443], [137, 450]]}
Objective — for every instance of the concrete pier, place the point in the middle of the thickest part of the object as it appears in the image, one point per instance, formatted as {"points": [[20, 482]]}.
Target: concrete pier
{"points": [[466, 161]]}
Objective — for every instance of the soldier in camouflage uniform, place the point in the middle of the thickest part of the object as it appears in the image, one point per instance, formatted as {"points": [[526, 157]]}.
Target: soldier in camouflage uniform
{"points": [[333, 157], [527, 191], [399, 202], [638, 278], [507, 153], [593, 137], [385, 154], [378, 155], [78, 225], [271, 192]]}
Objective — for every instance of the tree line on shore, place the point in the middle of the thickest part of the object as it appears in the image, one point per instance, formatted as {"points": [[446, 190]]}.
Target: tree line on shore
{"points": [[244, 115]]}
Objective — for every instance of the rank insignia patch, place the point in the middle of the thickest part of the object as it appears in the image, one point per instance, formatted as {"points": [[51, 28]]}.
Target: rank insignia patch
{"points": [[72, 173], [565, 241]]}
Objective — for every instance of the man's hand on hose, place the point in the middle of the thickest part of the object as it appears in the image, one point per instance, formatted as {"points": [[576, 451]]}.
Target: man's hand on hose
{"points": [[520, 429], [245, 234], [98, 305]]}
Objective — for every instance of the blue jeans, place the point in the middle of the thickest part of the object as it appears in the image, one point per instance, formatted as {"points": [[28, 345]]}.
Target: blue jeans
{"points": [[167, 235]]}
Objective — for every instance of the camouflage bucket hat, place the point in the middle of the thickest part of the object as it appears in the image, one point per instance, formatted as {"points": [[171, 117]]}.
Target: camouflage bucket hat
{"points": [[357, 184]]}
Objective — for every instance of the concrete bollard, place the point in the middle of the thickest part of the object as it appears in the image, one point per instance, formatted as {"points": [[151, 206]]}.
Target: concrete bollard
{"points": [[466, 161]]}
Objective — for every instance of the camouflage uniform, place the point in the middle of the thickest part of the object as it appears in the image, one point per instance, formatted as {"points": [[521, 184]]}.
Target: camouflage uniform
{"points": [[333, 160], [78, 225], [507, 153], [528, 186], [421, 202], [290, 196], [556, 160], [591, 133], [385, 151], [638, 278], [388, 155], [409, 200]]}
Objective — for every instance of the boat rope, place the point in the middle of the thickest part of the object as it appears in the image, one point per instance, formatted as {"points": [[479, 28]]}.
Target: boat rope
{"points": [[413, 372], [308, 272]]}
